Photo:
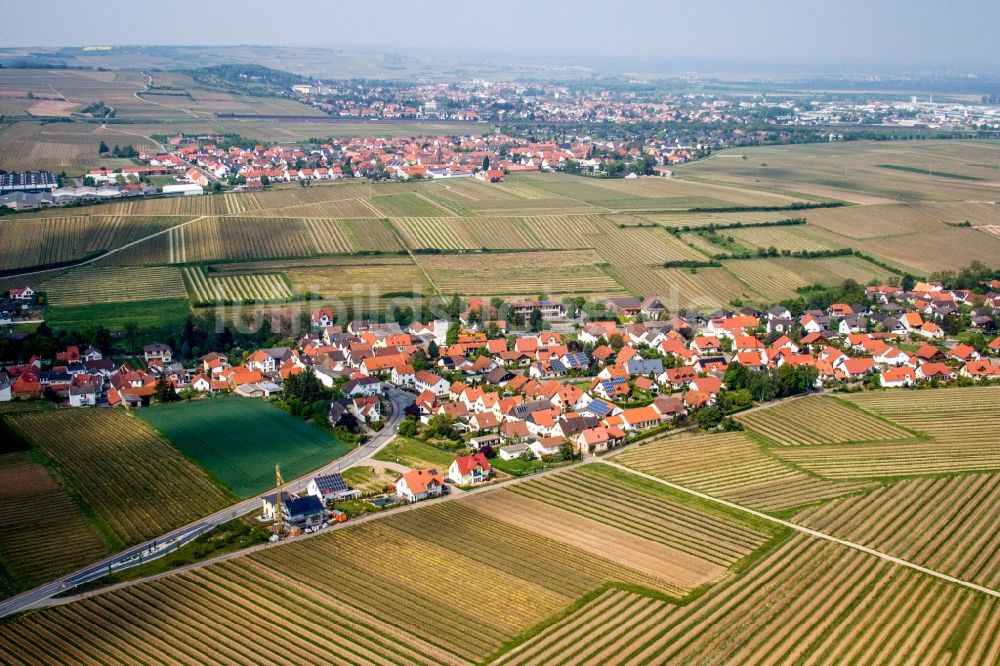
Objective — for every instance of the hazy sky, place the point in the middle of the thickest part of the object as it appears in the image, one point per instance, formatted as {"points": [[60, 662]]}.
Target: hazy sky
{"points": [[895, 32]]}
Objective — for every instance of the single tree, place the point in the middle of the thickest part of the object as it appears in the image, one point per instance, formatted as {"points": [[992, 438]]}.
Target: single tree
{"points": [[165, 390], [535, 321]]}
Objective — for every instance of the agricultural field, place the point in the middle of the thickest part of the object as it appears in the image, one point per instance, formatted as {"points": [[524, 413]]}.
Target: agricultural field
{"points": [[944, 523], [819, 420], [112, 284], [408, 204], [45, 533], [792, 238], [631, 246], [243, 238], [116, 316], [362, 282], [777, 279], [704, 289], [223, 435], [517, 273], [892, 460], [650, 193], [948, 249], [938, 432], [57, 147], [494, 233], [889, 220], [694, 220], [734, 467], [333, 589], [852, 171], [138, 485], [431, 232], [563, 231], [207, 288], [954, 415], [29, 242], [546, 600], [332, 236], [594, 233], [806, 601], [597, 498]]}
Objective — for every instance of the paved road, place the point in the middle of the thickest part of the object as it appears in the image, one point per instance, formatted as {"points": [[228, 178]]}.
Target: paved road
{"points": [[183, 535]]}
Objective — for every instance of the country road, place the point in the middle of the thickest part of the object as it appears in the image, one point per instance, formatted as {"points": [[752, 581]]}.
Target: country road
{"points": [[183, 535]]}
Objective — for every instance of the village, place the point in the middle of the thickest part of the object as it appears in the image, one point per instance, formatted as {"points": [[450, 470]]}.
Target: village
{"points": [[194, 165], [517, 400]]}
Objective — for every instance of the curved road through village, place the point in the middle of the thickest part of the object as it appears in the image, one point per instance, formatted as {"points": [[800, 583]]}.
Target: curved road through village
{"points": [[172, 540]]}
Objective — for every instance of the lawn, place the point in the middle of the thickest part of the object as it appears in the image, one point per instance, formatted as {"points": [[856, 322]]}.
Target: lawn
{"points": [[114, 316], [241, 439], [414, 453], [367, 481]]}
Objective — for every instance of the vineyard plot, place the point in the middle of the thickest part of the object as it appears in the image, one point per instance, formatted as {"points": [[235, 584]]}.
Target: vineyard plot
{"points": [[732, 466], [140, 485], [205, 288], [819, 420]]}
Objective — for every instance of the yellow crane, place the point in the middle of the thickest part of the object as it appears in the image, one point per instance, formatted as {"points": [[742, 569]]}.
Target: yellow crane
{"points": [[279, 482]]}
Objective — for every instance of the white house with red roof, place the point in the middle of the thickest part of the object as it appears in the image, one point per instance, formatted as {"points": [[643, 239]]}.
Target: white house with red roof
{"points": [[420, 484], [428, 381], [470, 470], [25, 293]]}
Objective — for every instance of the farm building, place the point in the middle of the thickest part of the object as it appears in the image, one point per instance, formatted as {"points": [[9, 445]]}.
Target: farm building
{"points": [[183, 190]]}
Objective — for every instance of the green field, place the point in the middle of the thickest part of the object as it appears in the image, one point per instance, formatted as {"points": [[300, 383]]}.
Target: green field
{"points": [[414, 453], [241, 439], [115, 316]]}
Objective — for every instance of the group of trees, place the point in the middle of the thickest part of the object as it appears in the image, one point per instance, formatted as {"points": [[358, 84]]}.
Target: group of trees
{"points": [[770, 383], [190, 338], [128, 151]]}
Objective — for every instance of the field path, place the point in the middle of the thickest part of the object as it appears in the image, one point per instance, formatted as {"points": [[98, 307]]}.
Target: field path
{"points": [[165, 106], [808, 531]]}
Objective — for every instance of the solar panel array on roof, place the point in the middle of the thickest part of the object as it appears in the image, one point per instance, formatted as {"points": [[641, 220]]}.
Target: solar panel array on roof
{"points": [[577, 360], [599, 408], [28, 181], [331, 483]]}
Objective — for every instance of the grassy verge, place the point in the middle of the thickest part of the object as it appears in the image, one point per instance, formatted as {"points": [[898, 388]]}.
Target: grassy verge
{"points": [[414, 453]]}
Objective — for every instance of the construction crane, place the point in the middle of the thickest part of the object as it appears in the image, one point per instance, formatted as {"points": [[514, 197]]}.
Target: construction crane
{"points": [[278, 482]]}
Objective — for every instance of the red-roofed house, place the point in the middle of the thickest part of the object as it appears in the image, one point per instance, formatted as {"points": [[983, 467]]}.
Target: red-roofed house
{"points": [[470, 470], [898, 377], [419, 484]]}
